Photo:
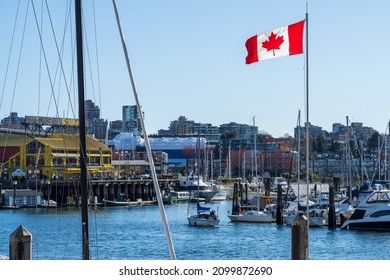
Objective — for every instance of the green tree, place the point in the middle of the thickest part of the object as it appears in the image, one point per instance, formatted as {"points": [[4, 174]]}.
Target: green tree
{"points": [[372, 142]]}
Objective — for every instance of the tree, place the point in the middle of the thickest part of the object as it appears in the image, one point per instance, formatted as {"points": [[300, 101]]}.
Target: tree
{"points": [[372, 142], [319, 145], [335, 147]]}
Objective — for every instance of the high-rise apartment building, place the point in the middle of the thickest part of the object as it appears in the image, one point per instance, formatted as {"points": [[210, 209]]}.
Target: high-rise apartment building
{"points": [[130, 119]]}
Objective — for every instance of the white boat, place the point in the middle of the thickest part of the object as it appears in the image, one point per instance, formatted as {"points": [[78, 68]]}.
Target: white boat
{"points": [[317, 219], [220, 196], [279, 181], [121, 200], [177, 197], [372, 213], [49, 204], [251, 216], [221, 193], [341, 203], [204, 217], [316, 216], [195, 184]]}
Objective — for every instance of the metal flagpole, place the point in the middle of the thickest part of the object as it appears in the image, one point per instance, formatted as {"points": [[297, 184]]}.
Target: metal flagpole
{"points": [[148, 149], [307, 128]]}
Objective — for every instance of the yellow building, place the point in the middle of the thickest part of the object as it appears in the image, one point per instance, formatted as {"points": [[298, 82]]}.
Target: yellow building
{"points": [[57, 156]]}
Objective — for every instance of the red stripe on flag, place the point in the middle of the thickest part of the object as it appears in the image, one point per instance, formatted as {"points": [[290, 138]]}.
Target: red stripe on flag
{"points": [[295, 35], [251, 46]]}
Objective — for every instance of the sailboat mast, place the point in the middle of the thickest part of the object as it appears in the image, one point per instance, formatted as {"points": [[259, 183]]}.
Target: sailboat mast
{"points": [[254, 147], [147, 144], [299, 152], [255, 152], [83, 160]]}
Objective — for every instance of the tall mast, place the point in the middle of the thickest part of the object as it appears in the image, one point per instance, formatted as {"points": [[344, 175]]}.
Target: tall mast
{"points": [[299, 152], [147, 144], [83, 160]]}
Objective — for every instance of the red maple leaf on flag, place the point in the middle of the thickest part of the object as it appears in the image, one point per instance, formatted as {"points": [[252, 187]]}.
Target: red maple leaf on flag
{"points": [[273, 43]]}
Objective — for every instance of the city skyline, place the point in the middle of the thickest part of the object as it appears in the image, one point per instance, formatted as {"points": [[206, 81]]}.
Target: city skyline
{"points": [[18, 120]]}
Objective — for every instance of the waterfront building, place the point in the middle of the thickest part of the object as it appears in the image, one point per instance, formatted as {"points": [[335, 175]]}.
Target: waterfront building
{"points": [[57, 156]]}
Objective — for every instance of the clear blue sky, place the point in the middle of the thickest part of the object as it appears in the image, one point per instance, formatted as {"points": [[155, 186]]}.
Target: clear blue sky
{"points": [[188, 58]]}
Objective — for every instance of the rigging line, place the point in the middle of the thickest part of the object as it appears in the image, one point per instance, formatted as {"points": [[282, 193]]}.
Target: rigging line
{"points": [[97, 58], [9, 54], [59, 53], [19, 58], [147, 144], [72, 78], [60, 59], [40, 66], [44, 55], [6, 72]]}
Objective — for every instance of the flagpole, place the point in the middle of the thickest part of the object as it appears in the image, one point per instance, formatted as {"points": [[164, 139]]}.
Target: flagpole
{"points": [[307, 129]]}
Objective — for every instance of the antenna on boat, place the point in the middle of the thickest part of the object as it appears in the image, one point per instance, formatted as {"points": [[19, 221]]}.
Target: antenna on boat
{"points": [[147, 144]]}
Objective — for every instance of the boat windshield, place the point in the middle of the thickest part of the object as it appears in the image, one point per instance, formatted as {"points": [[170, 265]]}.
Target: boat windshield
{"points": [[381, 197]]}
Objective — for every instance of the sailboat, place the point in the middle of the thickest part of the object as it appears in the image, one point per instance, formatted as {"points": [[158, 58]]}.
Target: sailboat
{"points": [[249, 213], [204, 216]]}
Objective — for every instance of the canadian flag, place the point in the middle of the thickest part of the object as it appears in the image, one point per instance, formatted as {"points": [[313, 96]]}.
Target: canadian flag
{"points": [[279, 42]]}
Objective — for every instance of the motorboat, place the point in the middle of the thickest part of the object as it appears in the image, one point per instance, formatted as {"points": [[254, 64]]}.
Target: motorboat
{"points": [[251, 216], [316, 218], [121, 200], [221, 194], [195, 184], [372, 213], [316, 215], [279, 181], [177, 197]]}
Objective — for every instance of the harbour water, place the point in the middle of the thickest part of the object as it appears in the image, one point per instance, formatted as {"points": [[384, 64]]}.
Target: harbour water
{"points": [[136, 233]]}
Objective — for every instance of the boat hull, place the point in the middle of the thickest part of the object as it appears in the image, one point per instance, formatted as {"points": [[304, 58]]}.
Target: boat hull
{"points": [[313, 222], [379, 225], [251, 217], [219, 196], [114, 203], [197, 221]]}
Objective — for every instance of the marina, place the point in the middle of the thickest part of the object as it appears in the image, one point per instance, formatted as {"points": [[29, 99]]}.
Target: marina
{"points": [[84, 187], [136, 233]]}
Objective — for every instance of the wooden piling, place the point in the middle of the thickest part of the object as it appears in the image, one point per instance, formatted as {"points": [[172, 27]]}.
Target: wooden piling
{"points": [[241, 193], [332, 210], [300, 246], [279, 207], [336, 183], [20, 244], [267, 186]]}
